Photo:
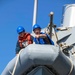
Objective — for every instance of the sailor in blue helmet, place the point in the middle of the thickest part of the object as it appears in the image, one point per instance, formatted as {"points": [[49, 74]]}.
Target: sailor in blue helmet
{"points": [[24, 39], [40, 37]]}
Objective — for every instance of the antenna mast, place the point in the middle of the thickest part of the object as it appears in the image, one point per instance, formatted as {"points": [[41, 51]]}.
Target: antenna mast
{"points": [[51, 23], [35, 12]]}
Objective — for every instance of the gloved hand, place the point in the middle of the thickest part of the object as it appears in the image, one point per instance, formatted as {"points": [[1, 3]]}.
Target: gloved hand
{"points": [[25, 43]]}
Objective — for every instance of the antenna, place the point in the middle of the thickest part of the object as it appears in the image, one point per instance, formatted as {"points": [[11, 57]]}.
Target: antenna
{"points": [[51, 23], [35, 12]]}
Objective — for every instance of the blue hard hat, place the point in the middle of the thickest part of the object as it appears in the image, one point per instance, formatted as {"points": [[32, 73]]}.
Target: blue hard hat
{"points": [[36, 26], [20, 29]]}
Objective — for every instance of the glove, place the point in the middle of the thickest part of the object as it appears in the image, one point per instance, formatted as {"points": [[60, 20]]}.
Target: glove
{"points": [[25, 43]]}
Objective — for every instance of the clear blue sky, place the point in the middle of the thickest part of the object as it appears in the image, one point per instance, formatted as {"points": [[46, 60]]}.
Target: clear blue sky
{"points": [[20, 12]]}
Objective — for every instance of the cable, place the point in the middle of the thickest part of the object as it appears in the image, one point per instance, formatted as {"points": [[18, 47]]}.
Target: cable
{"points": [[14, 69]]}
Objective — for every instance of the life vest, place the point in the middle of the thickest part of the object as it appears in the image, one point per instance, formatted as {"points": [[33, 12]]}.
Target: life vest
{"points": [[25, 38], [43, 40]]}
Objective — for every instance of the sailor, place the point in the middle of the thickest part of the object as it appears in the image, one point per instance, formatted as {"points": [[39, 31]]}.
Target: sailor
{"points": [[40, 37], [24, 39]]}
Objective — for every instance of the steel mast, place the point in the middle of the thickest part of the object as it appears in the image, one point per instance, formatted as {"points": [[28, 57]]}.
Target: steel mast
{"points": [[35, 12]]}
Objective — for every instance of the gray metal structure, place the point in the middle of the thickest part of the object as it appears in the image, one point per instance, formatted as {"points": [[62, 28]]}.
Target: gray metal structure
{"points": [[58, 59], [48, 57]]}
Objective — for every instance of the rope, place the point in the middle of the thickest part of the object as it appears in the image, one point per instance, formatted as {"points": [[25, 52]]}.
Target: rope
{"points": [[71, 64], [71, 68], [14, 69], [56, 34]]}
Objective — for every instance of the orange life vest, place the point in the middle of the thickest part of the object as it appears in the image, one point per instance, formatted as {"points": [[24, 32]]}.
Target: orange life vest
{"points": [[26, 37]]}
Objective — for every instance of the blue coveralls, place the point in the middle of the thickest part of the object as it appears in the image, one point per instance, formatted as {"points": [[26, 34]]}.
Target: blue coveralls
{"points": [[42, 40]]}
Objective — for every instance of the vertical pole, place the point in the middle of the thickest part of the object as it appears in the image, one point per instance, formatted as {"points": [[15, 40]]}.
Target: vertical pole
{"points": [[35, 12], [51, 23]]}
